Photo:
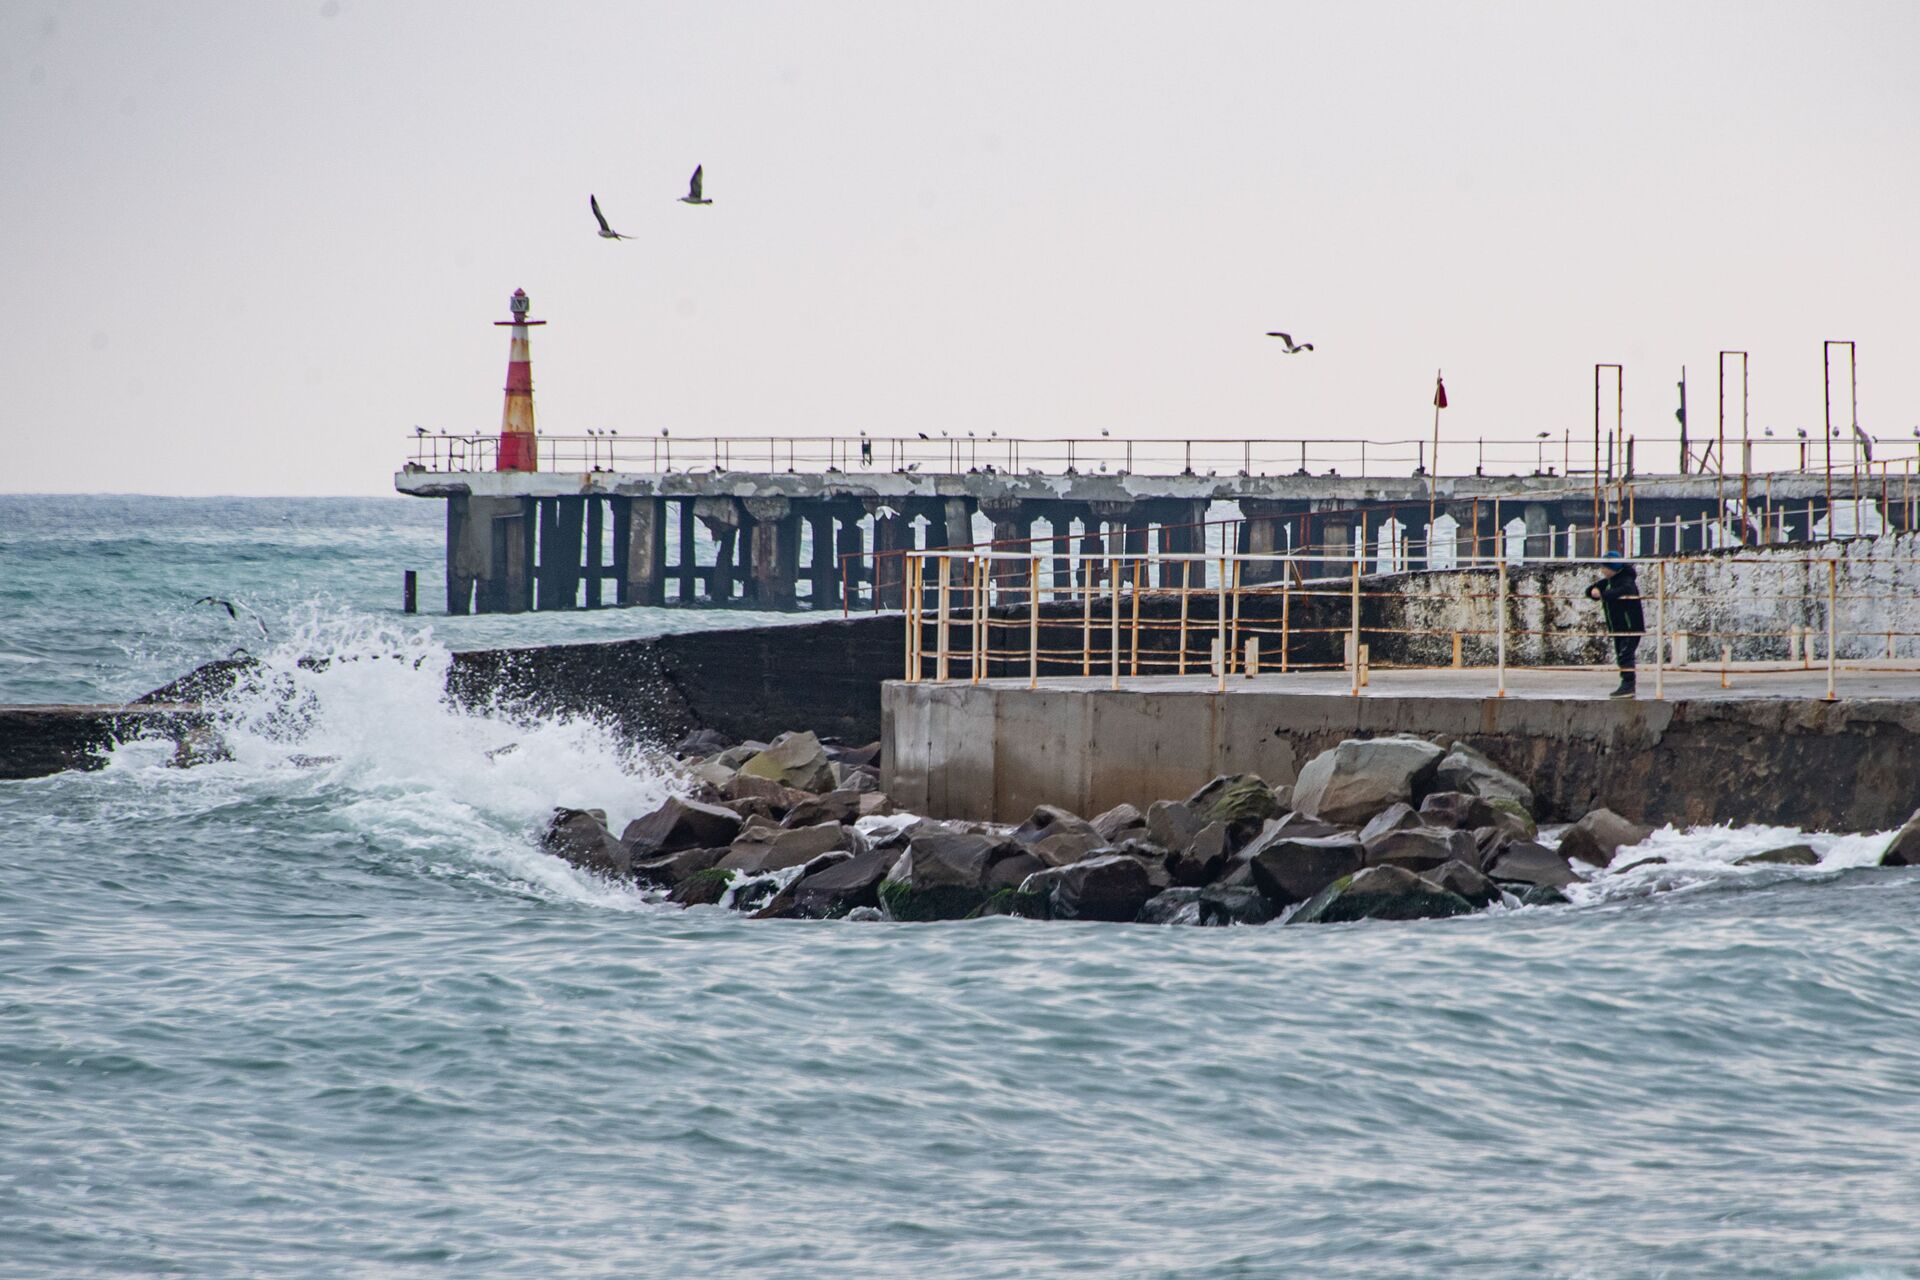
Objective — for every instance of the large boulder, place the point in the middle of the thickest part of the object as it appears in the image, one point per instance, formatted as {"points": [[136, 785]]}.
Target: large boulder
{"points": [[1380, 893], [1172, 825], [834, 890], [794, 760], [944, 874], [670, 869], [681, 824], [1524, 862], [1119, 822], [580, 836], [1051, 820], [1300, 825], [761, 850], [1063, 847], [1110, 888], [702, 888], [702, 743], [777, 796], [1395, 817], [1467, 770], [1454, 809], [1360, 777], [1421, 848], [1289, 869], [1792, 855], [1205, 856], [1207, 905], [1598, 836], [1904, 849], [1459, 878], [835, 806], [1240, 801]]}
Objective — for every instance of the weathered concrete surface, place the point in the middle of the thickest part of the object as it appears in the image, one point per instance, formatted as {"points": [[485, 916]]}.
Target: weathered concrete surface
{"points": [[1772, 753], [1002, 486], [39, 740]]}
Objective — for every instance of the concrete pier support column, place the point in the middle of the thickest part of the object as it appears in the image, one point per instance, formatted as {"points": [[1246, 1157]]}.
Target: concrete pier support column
{"points": [[557, 575], [643, 566], [850, 551], [892, 534], [775, 553], [723, 518], [1336, 545], [1260, 535], [1012, 526], [468, 545], [823, 572], [956, 529], [596, 542], [1539, 544], [488, 553], [1092, 547]]}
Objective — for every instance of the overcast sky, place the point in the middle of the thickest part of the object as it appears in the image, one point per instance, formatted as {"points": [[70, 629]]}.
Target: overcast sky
{"points": [[248, 246]]}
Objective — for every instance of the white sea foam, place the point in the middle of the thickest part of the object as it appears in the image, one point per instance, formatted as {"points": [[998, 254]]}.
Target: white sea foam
{"points": [[1699, 859], [355, 710]]}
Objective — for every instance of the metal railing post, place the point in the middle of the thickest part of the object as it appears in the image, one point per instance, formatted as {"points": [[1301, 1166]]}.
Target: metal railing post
{"points": [[1220, 618], [1660, 634], [1113, 635], [912, 663], [942, 666], [1500, 643], [1033, 623], [1833, 595]]}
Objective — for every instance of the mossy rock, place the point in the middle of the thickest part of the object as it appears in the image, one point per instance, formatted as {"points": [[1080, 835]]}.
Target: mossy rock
{"points": [[1012, 902], [902, 901], [702, 888], [1518, 813], [1242, 803]]}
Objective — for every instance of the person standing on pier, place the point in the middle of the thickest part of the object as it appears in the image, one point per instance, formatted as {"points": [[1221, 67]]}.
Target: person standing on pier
{"points": [[1618, 592]]}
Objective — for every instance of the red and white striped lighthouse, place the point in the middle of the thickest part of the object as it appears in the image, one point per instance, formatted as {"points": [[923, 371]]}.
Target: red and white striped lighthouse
{"points": [[517, 452]]}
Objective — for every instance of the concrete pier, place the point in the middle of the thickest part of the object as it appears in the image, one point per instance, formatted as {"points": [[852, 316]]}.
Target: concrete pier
{"points": [[519, 540], [1769, 750]]}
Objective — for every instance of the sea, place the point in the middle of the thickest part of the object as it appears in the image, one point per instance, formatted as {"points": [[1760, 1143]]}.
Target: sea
{"points": [[326, 1009]]}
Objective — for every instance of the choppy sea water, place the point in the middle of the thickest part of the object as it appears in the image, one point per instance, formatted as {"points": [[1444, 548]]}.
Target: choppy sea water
{"points": [[273, 1017]]}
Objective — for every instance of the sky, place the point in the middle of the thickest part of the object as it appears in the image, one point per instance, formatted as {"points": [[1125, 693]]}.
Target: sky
{"points": [[247, 247]]}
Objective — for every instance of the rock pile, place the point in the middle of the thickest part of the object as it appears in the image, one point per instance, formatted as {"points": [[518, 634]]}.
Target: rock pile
{"points": [[1384, 828]]}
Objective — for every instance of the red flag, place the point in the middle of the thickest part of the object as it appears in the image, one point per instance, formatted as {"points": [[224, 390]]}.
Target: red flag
{"points": [[1439, 393]]}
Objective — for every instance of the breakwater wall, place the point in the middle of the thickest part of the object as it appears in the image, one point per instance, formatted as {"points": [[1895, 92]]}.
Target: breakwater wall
{"points": [[994, 751]]}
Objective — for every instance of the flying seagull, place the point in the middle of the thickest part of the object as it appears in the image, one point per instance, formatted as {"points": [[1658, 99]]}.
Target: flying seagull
{"points": [[217, 602], [1293, 348], [606, 232], [693, 195]]}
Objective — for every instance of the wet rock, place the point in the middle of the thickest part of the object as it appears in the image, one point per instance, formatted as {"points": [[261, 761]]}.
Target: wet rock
{"points": [[778, 796], [1508, 816], [1012, 902], [713, 775], [1396, 817], [580, 836], [702, 743], [1065, 847], [1289, 869], [1119, 822], [1362, 776], [1598, 836], [1207, 905], [794, 760], [1651, 860], [785, 904], [1011, 871], [1455, 809], [197, 746], [867, 757], [1112, 888], [874, 804], [1792, 855], [702, 888], [758, 852], [681, 824], [1204, 857], [1469, 884], [859, 781], [1179, 905], [734, 757], [943, 875], [1300, 825], [1421, 848], [670, 869], [1539, 895], [1524, 862], [1467, 770], [1380, 893], [835, 806], [1149, 855], [1050, 820], [1904, 849], [1241, 801]]}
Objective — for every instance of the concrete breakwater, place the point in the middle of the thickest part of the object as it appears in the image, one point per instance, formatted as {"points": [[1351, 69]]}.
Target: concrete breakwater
{"points": [[1391, 827]]}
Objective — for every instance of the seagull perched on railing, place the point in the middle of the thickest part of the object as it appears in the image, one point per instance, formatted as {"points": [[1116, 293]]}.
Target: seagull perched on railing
{"points": [[1292, 348], [606, 232], [693, 195]]}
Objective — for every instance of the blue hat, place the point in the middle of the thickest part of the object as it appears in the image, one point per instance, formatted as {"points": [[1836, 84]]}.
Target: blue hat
{"points": [[1614, 555]]}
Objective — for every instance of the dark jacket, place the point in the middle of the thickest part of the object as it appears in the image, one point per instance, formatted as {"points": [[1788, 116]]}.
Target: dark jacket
{"points": [[1620, 599]]}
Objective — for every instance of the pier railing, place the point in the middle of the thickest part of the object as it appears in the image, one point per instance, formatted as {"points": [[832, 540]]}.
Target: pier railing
{"points": [[1124, 618], [1564, 453]]}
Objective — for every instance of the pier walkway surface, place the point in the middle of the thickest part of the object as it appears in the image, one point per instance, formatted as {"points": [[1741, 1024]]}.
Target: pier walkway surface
{"points": [[1772, 748]]}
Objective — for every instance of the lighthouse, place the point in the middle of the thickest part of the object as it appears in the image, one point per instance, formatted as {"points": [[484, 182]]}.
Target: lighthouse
{"points": [[517, 452]]}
